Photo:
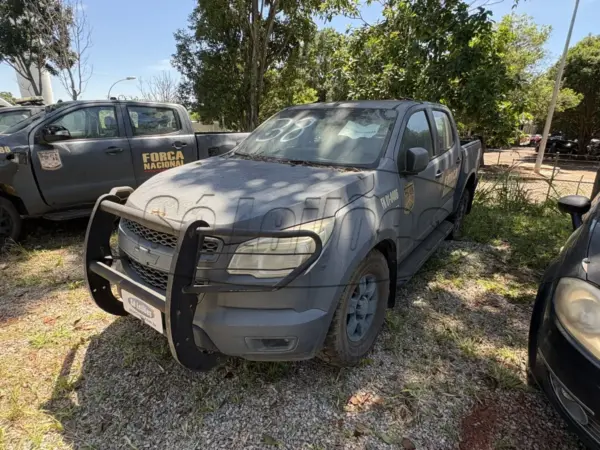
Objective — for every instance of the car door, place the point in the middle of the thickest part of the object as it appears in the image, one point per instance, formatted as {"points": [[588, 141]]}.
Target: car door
{"points": [[158, 139], [94, 158], [421, 191], [448, 153]]}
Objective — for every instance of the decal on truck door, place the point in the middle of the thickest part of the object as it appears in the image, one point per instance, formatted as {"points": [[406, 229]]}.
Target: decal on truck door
{"points": [[4, 150], [49, 159], [158, 161], [389, 199]]}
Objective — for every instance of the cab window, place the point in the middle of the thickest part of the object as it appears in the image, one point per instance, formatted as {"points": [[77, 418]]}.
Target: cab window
{"points": [[149, 120], [444, 131], [95, 122], [417, 134]]}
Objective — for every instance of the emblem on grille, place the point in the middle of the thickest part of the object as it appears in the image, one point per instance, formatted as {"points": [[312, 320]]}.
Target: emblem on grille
{"points": [[158, 212]]}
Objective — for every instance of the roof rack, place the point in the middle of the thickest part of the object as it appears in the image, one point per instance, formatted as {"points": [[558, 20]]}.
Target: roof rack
{"points": [[30, 101]]}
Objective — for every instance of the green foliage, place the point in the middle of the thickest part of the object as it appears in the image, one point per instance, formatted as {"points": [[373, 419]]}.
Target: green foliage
{"points": [[504, 215], [582, 74], [230, 47], [8, 97], [34, 33]]}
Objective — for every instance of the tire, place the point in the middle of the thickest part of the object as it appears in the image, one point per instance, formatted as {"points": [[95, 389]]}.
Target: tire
{"points": [[344, 346], [10, 221], [458, 216]]}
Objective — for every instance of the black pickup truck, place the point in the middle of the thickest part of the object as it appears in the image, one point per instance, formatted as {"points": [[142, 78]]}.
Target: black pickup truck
{"points": [[56, 163]]}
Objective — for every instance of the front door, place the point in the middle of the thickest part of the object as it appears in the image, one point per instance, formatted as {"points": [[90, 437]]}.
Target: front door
{"points": [[94, 159], [158, 139], [421, 192]]}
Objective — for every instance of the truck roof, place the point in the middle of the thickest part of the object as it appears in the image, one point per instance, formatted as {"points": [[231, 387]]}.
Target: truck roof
{"points": [[92, 102], [374, 104]]}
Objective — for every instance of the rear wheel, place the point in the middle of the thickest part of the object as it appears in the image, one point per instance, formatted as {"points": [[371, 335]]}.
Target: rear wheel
{"points": [[10, 221], [360, 313], [458, 217]]}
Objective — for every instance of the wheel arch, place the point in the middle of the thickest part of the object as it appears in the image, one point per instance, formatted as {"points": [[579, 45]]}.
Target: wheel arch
{"points": [[388, 248], [470, 185], [9, 193]]}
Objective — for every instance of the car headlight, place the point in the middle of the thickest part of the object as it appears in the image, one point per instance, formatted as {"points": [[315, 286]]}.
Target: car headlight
{"points": [[577, 306], [277, 257]]}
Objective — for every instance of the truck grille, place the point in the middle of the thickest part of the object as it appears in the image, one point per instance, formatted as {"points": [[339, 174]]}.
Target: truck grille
{"points": [[153, 277], [211, 246]]}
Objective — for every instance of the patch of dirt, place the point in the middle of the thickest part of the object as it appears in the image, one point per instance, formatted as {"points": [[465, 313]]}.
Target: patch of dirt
{"points": [[514, 420], [477, 428]]}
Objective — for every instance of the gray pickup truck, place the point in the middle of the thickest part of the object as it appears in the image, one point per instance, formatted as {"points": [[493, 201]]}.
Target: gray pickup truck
{"points": [[57, 163], [291, 245], [12, 115]]}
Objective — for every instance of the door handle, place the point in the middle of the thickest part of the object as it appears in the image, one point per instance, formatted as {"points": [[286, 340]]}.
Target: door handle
{"points": [[178, 144], [458, 161], [113, 150], [438, 174]]}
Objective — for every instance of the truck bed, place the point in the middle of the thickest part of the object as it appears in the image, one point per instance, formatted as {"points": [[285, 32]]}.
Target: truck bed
{"points": [[217, 143]]}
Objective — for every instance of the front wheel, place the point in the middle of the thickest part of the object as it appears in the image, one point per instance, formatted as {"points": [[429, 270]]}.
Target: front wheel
{"points": [[10, 221], [360, 313]]}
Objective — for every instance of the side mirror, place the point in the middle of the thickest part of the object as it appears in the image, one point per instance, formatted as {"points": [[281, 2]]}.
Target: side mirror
{"points": [[576, 206], [417, 159], [54, 133]]}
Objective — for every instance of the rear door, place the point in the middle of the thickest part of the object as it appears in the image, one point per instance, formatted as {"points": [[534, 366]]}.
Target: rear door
{"points": [[90, 163], [421, 191], [158, 138], [449, 156]]}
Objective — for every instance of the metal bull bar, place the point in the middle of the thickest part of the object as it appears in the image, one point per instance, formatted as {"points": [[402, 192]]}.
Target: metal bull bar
{"points": [[179, 303]]}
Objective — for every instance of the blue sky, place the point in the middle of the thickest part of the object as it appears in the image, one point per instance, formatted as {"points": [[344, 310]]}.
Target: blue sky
{"points": [[135, 37]]}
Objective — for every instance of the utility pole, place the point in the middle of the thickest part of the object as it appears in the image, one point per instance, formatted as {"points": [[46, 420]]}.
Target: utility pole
{"points": [[561, 67]]}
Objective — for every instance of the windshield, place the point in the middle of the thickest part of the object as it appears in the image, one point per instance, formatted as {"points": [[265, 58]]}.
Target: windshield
{"points": [[10, 118], [338, 136], [21, 125]]}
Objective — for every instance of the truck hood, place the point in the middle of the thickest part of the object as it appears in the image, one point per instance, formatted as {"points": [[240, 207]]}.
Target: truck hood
{"points": [[249, 194]]}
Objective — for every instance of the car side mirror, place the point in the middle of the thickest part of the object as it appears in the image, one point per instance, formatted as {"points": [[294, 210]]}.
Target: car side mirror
{"points": [[417, 159], [54, 133], [576, 206]]}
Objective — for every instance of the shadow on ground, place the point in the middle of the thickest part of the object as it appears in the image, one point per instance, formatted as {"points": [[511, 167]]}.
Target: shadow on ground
{"points": [[451, 351]]}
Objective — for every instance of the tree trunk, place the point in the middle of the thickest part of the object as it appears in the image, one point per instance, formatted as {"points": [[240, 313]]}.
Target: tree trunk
{"points": [[483, 150], [254, 67]]}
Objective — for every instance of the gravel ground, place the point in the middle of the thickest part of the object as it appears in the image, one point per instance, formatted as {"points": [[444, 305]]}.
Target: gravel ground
{"points": [[447, 372]]}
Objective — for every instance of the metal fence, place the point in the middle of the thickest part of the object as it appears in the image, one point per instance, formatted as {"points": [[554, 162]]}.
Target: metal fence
{"points": [[562, 174]]}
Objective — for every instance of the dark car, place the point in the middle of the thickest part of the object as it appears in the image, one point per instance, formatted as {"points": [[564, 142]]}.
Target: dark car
{"points": [[564, 337], [558, 143]]}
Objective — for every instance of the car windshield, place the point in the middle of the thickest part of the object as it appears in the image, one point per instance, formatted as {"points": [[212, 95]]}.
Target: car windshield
{"points": [[23, 124], [10, 118], [336, 136]]}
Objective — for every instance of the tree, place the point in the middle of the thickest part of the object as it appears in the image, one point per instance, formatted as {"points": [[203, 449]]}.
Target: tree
{"points": [[69, 26], [28, 39], [442, 53], [582, 74], [229, 48], [160, 88], [74, 65]]}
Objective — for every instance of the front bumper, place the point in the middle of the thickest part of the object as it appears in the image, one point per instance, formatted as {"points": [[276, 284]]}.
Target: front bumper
{"points": [[203, 319], [570, 378]]}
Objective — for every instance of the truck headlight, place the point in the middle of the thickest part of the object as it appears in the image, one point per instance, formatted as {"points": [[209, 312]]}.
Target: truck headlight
{"points": [[577, 306], [277, 257]]}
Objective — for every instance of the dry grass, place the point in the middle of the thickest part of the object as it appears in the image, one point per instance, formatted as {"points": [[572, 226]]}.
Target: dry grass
{"points": [[73, 377]]}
